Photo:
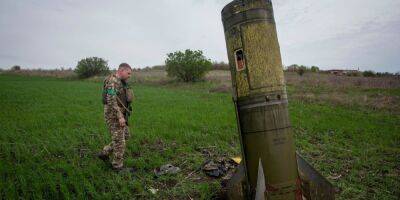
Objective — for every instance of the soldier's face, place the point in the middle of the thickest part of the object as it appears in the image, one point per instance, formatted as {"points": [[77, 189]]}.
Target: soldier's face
{"points": [[125, 74]]}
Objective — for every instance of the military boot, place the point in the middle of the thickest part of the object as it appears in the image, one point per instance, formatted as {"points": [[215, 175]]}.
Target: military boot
{"points": [[102, 156]]}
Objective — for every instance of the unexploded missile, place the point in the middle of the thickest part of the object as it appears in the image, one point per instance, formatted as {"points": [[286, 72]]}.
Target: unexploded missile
{"points": [[260, 99]]}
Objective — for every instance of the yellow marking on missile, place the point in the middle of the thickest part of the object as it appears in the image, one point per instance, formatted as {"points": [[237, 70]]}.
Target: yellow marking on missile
{"points": [[237, 159]]}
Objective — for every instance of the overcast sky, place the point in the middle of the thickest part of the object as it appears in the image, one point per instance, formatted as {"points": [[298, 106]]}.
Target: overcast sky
{"points": [[327, 33]]}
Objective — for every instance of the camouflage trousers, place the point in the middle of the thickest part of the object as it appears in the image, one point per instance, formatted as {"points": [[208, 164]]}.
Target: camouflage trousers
{"points": [[119, 135]]}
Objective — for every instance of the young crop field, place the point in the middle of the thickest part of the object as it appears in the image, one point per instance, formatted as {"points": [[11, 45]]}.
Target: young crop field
{"points": [[51, 130]]}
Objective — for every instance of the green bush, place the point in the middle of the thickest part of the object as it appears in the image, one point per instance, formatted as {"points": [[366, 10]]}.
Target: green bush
{"points": [[15, 68], [369, 73], [384, 74], [314, 69], [301, 70], [353, 74], [188, 66], [92, 66]]}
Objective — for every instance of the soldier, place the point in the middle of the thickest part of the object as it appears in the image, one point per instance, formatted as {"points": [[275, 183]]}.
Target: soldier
{"points": [[117, 98]]}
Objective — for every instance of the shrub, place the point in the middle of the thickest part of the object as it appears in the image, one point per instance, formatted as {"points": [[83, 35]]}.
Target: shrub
{"points": [[301, 70], [92, 66], [369, 73], [314, 69], [15, 68], [353, 74], [384, 74], [188, 66]]}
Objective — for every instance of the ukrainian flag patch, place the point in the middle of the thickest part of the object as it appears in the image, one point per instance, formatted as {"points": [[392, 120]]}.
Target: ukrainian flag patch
{"points": [[110, 91]]}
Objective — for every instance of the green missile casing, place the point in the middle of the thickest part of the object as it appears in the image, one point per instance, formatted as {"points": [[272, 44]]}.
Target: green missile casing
{"points": [[260, 98]]}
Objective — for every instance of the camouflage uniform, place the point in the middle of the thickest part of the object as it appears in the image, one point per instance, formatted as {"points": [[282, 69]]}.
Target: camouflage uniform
{"points": [[115, 103]]}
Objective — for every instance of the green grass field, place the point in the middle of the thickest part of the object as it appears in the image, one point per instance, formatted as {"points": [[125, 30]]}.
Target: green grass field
{"points": [[52, 128]]}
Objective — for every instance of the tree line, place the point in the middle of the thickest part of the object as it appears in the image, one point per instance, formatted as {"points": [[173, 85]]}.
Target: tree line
{"points": [[191, 66]]}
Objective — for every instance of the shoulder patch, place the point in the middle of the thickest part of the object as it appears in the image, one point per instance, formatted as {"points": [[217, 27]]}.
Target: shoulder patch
{"points": [[110, 91]]}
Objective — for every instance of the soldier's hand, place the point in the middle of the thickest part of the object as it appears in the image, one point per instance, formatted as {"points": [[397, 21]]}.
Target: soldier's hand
{"points": [[122, 122]]}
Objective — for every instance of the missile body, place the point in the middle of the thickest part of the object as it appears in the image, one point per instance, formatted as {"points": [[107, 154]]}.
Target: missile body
{"points": [[260, 98]]}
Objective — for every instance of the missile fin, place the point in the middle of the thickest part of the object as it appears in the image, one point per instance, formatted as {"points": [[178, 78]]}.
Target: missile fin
{"points": [[261, 188], [314, 185]]}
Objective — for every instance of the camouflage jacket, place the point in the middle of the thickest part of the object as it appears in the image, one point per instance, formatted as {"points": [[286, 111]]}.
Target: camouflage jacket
{"points": [[114, 97]]}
